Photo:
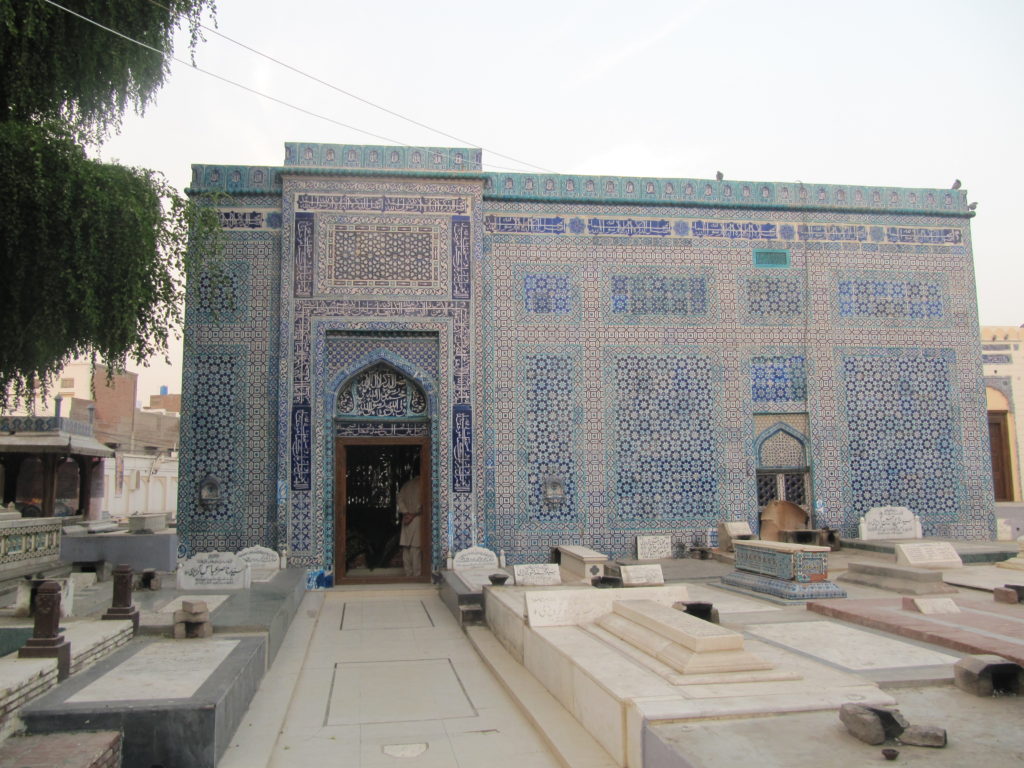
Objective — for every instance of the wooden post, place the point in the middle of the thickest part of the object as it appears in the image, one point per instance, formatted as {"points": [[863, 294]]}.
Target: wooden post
{"points": [[47, 642]]}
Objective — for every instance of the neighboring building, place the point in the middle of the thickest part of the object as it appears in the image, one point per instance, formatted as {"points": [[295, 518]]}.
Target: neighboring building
{"points": [[570, 359], [141, 474], [1003, 365]]}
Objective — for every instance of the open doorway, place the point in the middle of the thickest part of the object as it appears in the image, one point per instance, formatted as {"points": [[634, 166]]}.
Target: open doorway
{"points": [[382, 510]]}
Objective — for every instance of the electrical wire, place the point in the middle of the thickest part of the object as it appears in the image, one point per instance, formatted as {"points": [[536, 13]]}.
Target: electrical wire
{"points": [[235, 83], [315, 79]]}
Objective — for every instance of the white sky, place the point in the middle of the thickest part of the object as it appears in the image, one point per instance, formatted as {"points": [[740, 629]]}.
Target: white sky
{"points": [[906, 93]]}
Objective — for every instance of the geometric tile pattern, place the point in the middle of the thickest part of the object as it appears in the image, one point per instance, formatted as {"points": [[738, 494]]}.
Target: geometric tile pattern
{"points": [[774, 379], [772, 298], [547, 415], [571, 328], [782, 450], [664, 459], [901, 432]]}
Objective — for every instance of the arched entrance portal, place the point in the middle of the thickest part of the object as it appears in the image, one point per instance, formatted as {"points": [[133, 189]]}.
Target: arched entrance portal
{"points": [[382, 478]]}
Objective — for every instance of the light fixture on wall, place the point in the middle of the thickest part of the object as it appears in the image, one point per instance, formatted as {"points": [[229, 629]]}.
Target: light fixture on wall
{"points": [[553, 490], [209, 491]]}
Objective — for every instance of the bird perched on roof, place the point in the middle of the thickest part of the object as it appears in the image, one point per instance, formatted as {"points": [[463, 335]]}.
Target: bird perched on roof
{"points": [[956, 184], [719, 175], [972, 206]]}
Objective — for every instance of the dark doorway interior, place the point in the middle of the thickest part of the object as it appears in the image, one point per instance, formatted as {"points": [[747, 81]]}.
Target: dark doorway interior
{"points": [[373, 475]]}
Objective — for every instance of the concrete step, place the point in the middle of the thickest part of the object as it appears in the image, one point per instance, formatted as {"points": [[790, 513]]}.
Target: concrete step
{"points": [[570, 742]]}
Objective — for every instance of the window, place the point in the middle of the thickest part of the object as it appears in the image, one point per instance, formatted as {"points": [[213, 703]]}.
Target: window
{"points": [[67, 383]]}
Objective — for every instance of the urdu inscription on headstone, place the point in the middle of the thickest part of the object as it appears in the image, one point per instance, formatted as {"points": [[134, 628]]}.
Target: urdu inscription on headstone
{"points": [[641, 575], [653, 547], [263, 561], [537, 575], [214, 570], [890, 523], [474, 557], [928, 554]]}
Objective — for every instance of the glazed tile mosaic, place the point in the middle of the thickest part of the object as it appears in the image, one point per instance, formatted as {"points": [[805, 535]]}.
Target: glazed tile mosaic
{"points": [[588, 358]]}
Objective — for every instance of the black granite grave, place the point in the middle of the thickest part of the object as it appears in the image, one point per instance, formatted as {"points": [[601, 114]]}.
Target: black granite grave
{"points": [[191, 731]]}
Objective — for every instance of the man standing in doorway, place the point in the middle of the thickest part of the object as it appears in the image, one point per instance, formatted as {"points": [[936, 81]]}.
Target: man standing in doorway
{"points": [[410, 507]]}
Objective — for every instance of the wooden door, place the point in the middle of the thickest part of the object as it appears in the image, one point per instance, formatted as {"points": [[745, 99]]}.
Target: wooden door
{"points": [[998, 438]]}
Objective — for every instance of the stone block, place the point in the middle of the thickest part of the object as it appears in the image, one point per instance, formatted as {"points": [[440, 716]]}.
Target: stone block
{"points": [[924, 736], [147, 523], [930, 605], [984, 674], [873, 725], [897, 578], [191, 617], [862, 723], [1004, 595], [194, 606]]}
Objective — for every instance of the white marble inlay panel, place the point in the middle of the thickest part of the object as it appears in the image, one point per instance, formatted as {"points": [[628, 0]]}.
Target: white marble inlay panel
{"points": [[396, 614], [164, 670], [847, 647], [396, 692]]}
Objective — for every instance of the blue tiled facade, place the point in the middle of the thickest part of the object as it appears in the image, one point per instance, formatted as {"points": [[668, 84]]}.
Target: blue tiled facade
{"points": [[619, 334]]}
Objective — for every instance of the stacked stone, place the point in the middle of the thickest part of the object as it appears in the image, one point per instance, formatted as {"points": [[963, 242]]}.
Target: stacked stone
{"points": [[193, 620]]}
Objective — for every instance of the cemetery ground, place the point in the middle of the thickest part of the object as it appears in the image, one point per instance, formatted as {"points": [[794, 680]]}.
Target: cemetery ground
{"points": [[388, 676]]}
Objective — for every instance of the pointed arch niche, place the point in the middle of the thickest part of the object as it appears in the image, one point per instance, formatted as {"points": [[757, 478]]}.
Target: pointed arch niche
{"points": [[783, 466], [382, 443]]}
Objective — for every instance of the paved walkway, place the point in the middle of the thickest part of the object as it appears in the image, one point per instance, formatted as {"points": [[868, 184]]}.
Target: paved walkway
{"points": [[372, 676]]}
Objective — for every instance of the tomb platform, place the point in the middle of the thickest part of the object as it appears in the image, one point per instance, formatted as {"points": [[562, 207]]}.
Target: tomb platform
{"points": [[620, 660], [970, 551], [176, 702], [266, 607], [782, 570], [903, 579]]}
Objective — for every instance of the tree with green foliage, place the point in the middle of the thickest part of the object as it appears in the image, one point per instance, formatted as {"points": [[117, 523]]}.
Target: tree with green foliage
{"points": [[93, 255]]}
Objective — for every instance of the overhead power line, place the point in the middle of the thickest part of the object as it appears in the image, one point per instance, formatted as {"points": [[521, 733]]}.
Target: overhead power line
{"points": [[357, 97], [235, 83]]}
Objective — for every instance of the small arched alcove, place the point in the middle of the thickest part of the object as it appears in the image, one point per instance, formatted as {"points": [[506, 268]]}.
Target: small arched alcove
{"points": [[382, 486], [782, 467]]}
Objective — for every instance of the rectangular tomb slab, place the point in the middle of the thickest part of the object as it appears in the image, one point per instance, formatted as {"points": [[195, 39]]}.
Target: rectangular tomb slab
{"points": [[582, 563], [641, 575], [177, 702], [688, 631]]}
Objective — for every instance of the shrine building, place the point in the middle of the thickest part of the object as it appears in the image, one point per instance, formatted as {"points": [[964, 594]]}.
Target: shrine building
{"points": [[569, 359]]}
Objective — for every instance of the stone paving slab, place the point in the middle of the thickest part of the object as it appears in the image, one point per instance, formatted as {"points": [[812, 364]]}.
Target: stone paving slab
{"points": [[982, 626]]}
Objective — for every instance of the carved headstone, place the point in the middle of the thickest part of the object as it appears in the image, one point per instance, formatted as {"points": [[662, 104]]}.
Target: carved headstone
{"points": [[890, 523], [641, 575], [653, 547], [537, 575], [263, 561], [214, 571], [474, 557], [928, 554]]}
